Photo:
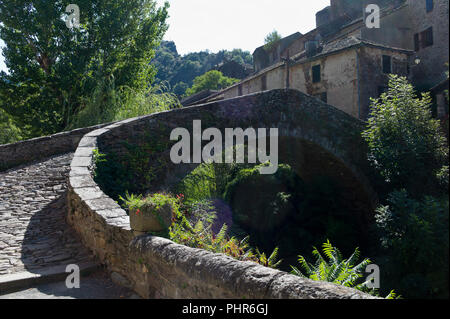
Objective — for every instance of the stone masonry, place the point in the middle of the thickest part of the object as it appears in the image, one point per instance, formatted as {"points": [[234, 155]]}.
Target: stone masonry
{"points": [[33, 232], [34, 198], [159, 268]]}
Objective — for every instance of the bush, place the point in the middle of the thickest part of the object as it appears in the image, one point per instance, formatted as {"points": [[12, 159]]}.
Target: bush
{"points": [[414, 236], [406, 144]]}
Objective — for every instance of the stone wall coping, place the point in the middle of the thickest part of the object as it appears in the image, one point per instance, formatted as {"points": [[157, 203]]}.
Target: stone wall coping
{"points": [[238, 278], [27, 151]]}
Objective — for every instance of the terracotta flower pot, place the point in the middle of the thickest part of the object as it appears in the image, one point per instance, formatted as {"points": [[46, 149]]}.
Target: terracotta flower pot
{"points": [[149, 218]]}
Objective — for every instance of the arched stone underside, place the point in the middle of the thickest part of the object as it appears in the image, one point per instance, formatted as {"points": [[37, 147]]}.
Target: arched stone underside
{"points": [[314, 137]]}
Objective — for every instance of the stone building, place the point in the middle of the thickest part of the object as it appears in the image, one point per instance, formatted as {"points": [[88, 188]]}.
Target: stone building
{"points": [[345, 63]]}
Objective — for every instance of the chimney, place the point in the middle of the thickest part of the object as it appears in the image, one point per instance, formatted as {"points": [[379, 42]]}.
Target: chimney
{"points": [[311, 48]]}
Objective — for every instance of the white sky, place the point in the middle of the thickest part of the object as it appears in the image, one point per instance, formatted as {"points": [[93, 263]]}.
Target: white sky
{"points": [[197, 25]]}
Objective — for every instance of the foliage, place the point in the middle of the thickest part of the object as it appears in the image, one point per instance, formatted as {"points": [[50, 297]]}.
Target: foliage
{"points": [[287, 212], [345, 272], [335, 269], [9, 133], [180, 71], [134, 168], [108, 104], [209, 180], [201, 236], [158, 200], [406, 144], [272, 196], [154, 204], [212, 80], [54, 69], [415, 239], [271, 39]]}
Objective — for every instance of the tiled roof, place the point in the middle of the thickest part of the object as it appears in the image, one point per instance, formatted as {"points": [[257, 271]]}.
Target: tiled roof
{"points": [[343, 44]]}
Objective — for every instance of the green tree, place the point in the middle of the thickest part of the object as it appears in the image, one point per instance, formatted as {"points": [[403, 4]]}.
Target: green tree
{"points": [[9, 133], [271, 39], [53, 68], [180, 89], [212, 80], [406, 144], [174, 68]]}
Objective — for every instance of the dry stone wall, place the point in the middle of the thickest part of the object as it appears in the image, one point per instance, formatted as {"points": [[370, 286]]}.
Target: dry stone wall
{"points": [[12, 155]]}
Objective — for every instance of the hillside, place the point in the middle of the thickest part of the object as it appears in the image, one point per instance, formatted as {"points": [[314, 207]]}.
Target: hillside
{"points": [[180, 70]]}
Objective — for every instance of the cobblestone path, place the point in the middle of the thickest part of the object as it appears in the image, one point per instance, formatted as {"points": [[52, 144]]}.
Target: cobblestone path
{"points": [[33, 232]]}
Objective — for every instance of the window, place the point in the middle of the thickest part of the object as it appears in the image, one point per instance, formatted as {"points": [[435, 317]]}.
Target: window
{"points": [[316, 74], [426, 37], [240, 89], [387, 64], [429, 5], [416, 42], [264, 82]]}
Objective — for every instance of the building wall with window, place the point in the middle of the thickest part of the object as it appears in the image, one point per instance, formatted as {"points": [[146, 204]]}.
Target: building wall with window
{"points": [[429, 23], [337, 84], [338, 80], [347, 79], [373, 76]]}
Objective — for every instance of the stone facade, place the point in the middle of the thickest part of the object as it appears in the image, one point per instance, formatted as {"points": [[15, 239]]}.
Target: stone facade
{"points": [[351, 71], [350, 55], [159, 268]]}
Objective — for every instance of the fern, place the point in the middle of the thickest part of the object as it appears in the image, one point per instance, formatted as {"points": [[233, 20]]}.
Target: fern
{"points": [[333, 268]]}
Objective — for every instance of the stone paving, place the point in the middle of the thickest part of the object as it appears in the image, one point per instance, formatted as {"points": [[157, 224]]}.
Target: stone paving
{"points": [[95, 286], [33, 231]]}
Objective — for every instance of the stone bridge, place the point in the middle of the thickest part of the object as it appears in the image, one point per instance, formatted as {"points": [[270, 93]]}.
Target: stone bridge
{"points": [[40, 191]]}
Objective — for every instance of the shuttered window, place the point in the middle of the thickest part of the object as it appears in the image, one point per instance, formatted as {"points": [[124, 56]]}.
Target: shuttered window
{"points": [[416, 42], [427, 37], [430, 5], [264, 82], [387, 64], [316, 74]]}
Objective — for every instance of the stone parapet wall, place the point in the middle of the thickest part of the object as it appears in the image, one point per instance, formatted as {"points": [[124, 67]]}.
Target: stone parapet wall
{"points": [[159, 268], [28, 151]]}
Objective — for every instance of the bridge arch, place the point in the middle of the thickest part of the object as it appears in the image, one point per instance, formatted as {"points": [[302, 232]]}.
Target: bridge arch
{"points": [[314, 135]]}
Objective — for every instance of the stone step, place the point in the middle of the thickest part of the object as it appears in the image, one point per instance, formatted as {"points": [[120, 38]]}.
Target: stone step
{"points": [[24, 280]]}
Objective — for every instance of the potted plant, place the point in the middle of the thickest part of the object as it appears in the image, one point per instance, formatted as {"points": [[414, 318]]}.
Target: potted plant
{"points": [[150, 214]]}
